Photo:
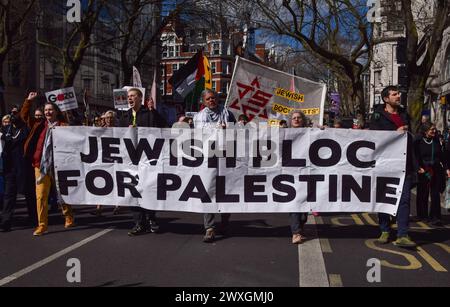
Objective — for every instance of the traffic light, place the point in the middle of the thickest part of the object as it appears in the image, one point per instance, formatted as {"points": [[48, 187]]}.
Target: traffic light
{"points": [[401, 50]]}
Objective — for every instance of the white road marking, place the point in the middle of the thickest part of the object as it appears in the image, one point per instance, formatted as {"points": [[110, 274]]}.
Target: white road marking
{"points": [[51, 258], [312, 271]]}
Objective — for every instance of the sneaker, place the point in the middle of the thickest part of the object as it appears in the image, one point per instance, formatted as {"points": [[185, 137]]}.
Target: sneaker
{"points": [[153, 226], [209, 236], [40, 231], [384, 238], [137, 230], [69, 222], [404, 242], [297, 238]]}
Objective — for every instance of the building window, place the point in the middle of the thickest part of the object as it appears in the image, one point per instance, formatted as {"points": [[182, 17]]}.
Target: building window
{"points": [[216, 49], [227, 68], [377, 78], [447, 65], [174, 67], [171, 51], [161, 89], [177, 50], [225, 87], [214, 86], [213, 67]]}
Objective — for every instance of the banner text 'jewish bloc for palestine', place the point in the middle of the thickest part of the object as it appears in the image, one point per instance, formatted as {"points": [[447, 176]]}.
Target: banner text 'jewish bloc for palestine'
{"points": [[258, 169]]}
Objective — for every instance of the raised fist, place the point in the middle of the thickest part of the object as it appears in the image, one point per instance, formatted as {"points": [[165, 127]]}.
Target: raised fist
{"points": [[32, 95]]}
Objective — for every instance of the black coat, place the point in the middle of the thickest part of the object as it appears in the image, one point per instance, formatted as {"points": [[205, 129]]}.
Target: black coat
{"points": [[144, 118], [381, 120]]}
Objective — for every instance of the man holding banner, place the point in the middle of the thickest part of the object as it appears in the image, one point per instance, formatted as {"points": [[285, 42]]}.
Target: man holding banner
{"points": [[390, 117], [217, 116], [140, 116]]}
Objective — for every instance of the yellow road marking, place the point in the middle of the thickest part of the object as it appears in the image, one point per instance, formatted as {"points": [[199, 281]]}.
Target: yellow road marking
{"points": [[414, 263], [335, 280], [431, 261], [369, 220], [443, 246], [325, 245], [357, 219]]}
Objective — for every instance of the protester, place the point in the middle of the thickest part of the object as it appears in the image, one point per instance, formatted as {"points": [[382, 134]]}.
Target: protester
{"points": [[432, 174], [38, 114], [15, 172], [298, 220], [390, 116], [243, 119], [213, 116], [140, 116], [283, 124], [38, 148]]}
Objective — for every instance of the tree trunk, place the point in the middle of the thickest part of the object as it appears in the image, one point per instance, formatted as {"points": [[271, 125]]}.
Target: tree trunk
{"points": [[2, 91], [416, 96]]}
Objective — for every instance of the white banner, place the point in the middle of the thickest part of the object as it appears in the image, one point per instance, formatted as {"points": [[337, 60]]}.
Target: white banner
{"points": [[65, 98], [136, 78], [120, 99], [232, 170], [266, 94]]}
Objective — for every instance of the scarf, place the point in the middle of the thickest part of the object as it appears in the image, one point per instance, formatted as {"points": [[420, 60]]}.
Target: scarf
{"points": [[210, 118], [47, 154]]}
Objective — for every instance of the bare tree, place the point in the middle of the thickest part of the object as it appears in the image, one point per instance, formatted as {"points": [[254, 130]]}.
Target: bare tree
{"points": [[76, 42], [335, 31], [421, 53], [13, 14]]}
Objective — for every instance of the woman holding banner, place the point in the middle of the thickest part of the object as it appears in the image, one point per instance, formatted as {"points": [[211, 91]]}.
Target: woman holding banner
{"points": [[38, 147], [298, 220]]}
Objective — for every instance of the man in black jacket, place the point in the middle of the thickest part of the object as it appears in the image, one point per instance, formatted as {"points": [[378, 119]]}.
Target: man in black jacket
{"points": [[390, 116], [140, 116]]}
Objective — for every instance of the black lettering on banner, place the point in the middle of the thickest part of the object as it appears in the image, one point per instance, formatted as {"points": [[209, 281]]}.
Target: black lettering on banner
{"points": [[332, 189], [311, 185], [349, 184], [287, 156], [195, 152], [352, 154], [131, 186], [257, 160], [90, 185], [93, 151], [251, 188], [213, 160], [107, 150], [278, 185], [195, 183], [173, 152], [383, 190], [221, 196], [65, 183], [164, 186], [152, 154], [335, 153]]}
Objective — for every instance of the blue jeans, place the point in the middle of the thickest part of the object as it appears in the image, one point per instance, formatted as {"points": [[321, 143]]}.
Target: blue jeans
{"points": [[402, 212], [298, 220]]}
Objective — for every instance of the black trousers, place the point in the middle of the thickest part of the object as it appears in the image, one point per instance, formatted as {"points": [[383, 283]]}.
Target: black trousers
{"points": [[427, 188], [12, 186], [141, 216]]}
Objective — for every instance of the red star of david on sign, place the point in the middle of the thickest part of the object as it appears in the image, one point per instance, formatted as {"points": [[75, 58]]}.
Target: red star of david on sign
{"points": [[255, 102]]}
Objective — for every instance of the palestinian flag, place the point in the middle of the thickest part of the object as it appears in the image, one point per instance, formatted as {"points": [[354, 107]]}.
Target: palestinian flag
{"points": [[192, 79]]}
